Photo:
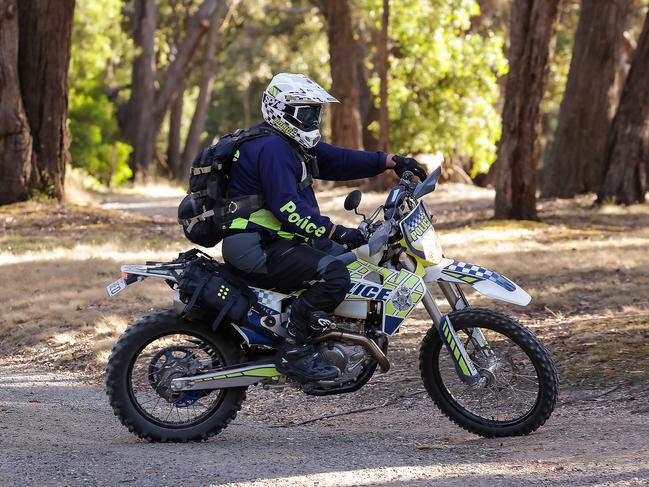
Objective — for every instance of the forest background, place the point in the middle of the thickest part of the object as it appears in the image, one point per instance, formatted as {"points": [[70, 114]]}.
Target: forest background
{"points": [[540, 109], [553, 90]]}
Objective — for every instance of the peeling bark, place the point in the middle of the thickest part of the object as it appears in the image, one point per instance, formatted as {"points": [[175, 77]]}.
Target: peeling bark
{"points": [[15, 138], [627, 147], [45, 37], [533, 25], [592, 94]]}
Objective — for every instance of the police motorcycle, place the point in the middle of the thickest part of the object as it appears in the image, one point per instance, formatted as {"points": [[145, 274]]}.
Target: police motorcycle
{"points": [[181, 375]]}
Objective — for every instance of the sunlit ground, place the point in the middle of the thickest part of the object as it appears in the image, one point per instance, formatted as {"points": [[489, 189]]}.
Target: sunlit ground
{"points": [[586, 269]]}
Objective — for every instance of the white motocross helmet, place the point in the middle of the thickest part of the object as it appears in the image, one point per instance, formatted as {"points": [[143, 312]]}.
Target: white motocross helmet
{"points": [[292, 103]]}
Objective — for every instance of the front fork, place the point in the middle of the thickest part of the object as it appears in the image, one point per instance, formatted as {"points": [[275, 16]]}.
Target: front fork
{"points": [[464, 367]]}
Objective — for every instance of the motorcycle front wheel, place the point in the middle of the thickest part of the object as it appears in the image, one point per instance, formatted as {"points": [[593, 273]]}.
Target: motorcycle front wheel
{"points": [[160, 347], [519, 385]]}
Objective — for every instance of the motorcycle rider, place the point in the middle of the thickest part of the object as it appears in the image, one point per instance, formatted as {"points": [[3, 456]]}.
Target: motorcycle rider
{"points": [[288, 244]]}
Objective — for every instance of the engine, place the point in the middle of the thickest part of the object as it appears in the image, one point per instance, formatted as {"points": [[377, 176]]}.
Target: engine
{"points": [[350, 359]]}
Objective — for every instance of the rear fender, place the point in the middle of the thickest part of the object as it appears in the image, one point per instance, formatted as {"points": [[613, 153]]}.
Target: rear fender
{"points": [[485, 281], [161, 271]]}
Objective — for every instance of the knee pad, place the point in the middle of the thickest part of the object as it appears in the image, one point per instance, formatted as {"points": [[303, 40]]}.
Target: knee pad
{"points": [[336, 278]]}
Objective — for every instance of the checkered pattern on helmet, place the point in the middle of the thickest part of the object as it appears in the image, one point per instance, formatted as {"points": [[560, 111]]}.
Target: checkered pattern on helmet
{"points": [[287, 88], [481, 272]]}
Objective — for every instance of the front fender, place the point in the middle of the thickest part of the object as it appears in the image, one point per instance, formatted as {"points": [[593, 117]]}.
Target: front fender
{"points": [[485, 281]]}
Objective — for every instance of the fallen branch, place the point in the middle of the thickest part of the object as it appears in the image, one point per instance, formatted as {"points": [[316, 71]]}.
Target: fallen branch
{"points": [[593, 397], [387, 402]]}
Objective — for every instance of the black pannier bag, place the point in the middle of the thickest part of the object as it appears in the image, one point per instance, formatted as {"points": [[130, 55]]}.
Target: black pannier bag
{"points": [[210, 286], [207, 210]]}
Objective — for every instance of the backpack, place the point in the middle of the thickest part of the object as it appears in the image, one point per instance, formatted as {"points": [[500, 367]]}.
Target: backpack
{"points": [[206, 211]]}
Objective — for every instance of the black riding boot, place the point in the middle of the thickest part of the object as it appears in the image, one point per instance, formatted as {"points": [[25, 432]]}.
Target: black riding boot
{"points": [[297, 358]]}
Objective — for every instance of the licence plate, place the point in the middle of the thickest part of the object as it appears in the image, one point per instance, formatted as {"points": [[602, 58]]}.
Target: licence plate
{"points": [[116, 287]]}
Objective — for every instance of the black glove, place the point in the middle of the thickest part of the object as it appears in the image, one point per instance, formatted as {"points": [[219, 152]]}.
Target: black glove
{"points": [[404, 164], [351, 238]]}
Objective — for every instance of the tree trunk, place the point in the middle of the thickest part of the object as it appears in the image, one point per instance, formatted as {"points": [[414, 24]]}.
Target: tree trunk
{"points": [[45, 40], [590, 100], [367, 102], [143, 125], [383, 77], [173, 78], [15, 138], [206, 84], [346, 128], [533, 25], [627, 146], [174, 160], [140, 125]]}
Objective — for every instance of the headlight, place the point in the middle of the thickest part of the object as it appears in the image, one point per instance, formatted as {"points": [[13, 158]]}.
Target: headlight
{"points": [[432, 247]]}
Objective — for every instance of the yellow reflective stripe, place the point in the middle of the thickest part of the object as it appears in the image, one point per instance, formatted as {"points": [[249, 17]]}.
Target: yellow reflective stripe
{"points": [[266, 219], [239, 224], [287, 235], [263, 372], [463, 367]]}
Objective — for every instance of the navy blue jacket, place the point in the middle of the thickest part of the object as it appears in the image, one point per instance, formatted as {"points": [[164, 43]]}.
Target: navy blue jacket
{"points": [[269, 166]]}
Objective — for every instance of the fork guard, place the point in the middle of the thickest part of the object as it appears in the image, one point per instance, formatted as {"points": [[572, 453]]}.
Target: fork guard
{"points": [[485, 281], [463, 364]]}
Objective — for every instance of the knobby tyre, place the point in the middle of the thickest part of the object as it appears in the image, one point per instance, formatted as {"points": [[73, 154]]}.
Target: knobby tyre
{"points": [[224, 404], [448, 392]]}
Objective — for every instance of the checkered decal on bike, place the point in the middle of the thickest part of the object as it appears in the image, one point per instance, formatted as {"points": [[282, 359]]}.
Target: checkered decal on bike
{"points": [[472, 273], [413, 227], [266, 298], [414, 220]]}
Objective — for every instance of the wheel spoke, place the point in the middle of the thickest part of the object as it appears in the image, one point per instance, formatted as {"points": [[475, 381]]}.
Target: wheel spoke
{"points": [[502, 399], [169, 357]]}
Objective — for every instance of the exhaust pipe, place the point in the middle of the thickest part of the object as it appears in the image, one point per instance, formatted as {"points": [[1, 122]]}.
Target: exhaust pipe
{"points": [[370, 345]]}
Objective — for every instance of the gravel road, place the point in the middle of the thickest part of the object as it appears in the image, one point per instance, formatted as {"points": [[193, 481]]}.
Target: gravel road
{"points": [[58, 430]]}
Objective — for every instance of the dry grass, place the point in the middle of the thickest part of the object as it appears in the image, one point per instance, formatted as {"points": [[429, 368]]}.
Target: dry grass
{"points": [[586, 269]]}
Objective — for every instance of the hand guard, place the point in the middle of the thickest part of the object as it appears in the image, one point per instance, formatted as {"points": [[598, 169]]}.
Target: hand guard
{"points": [[403, 164], [351, 238]]}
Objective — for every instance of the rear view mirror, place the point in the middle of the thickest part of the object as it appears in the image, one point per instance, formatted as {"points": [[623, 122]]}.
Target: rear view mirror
{"points": [[353, 199]]}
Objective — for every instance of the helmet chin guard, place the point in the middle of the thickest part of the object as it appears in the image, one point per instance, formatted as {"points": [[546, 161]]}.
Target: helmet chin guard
{"points": [[292, 104]]}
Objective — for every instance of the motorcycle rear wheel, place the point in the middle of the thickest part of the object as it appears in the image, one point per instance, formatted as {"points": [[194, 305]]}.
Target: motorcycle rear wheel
{"points": [[524, 374], [134, 353]]}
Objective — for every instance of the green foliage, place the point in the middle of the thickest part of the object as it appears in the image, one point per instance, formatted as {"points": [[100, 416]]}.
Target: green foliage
{"points": [[443, 80], [97, 53], [264, 38]]}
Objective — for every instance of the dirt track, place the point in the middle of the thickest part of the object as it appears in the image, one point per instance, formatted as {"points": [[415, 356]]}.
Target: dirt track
{"points": [[57, 431]]}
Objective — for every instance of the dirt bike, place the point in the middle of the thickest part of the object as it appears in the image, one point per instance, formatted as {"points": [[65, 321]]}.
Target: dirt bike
{"points": [[172, 377]]}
